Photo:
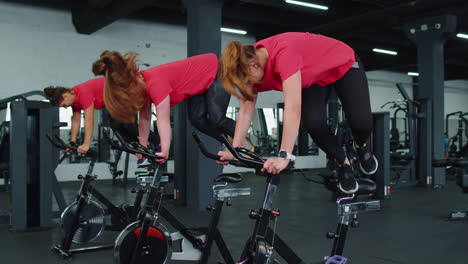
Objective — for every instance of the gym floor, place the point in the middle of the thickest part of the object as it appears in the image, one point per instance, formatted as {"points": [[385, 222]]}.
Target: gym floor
{"points": [[411, 228]]}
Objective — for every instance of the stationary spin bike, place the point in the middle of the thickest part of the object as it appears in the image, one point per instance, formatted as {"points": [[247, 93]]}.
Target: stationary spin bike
{"points": [[147, 240], [260, 247], [84, 219]]}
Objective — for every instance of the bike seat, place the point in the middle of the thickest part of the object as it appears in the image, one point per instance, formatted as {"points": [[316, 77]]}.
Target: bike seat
{"points": [[229, 178], [144, 166], [366, 186]]}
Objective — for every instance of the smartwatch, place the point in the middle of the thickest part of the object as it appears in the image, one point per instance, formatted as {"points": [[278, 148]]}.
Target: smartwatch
{"points": [[285, 155]]}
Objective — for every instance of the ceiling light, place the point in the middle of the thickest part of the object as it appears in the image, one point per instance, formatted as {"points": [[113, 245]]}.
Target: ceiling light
{"points": [[461, 35], [235, 31], [413, 74], [306, 4], [390, 52]]}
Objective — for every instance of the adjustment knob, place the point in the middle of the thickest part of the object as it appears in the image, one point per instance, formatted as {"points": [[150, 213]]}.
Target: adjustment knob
{"points": [[331, 235], [254, 214], [80, 177]]}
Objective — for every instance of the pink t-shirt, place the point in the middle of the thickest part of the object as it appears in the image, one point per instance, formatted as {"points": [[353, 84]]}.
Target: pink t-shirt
{"points": [[321, 60], [88, 93], [181, 79]]}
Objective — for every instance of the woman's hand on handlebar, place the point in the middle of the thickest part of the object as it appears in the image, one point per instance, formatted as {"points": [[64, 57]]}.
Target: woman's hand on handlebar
{"points": [[224, 157], [83, 149], [162, 157], [275, 165], [70, 150]]}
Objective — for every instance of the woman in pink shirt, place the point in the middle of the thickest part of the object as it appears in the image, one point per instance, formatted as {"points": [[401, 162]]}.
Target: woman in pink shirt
{"points": [[128, 92], [302, 66], [86, 97]]}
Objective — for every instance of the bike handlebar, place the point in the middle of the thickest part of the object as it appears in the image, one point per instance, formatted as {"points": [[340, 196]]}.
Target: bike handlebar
{"points": [[133, 148], [213, 156], [114, 143], [59, 143], [252, 161]]}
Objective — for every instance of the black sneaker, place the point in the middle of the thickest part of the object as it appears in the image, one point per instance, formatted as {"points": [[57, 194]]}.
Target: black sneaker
{"points": [[367, 161], [347, 182]]}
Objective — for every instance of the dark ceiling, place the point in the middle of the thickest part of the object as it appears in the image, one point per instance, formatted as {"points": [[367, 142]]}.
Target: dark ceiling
{"points": [[363, 24]]}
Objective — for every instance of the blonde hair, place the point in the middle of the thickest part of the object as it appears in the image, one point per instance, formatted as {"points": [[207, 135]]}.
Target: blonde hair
{"points": [[235, 70], [124, 90]]}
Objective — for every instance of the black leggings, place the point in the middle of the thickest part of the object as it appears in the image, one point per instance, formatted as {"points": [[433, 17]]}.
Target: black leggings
{"points": [[353, 91], [207, 112]]}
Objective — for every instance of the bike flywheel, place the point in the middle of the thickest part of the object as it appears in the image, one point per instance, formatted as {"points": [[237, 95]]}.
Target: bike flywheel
{"points": [[91, 221], [155, 250]]}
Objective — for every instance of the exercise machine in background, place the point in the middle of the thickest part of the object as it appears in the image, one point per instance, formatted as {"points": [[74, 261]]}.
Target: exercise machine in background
{"points": [[399, 137], [404, 152], [31, 162], [458, 142]]}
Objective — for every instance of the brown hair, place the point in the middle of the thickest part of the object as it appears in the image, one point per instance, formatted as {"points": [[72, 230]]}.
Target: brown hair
{"points": [[235, 70], [55, 93], [124, 89]]}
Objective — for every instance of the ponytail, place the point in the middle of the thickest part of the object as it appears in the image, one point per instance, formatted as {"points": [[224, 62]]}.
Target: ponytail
{"points": [[235, 70], [124, 90]]}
